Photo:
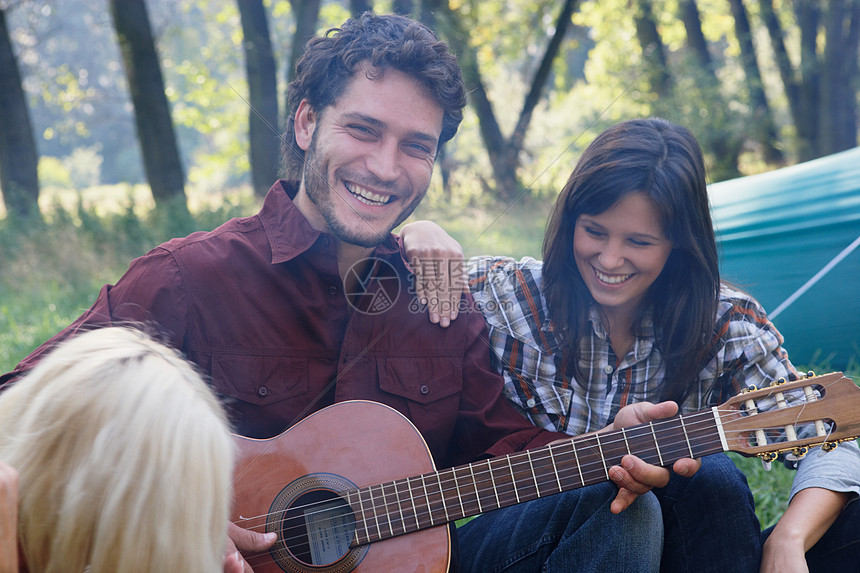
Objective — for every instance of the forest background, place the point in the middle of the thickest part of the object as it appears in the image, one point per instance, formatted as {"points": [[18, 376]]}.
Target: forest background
{"points": [[126, 122]]}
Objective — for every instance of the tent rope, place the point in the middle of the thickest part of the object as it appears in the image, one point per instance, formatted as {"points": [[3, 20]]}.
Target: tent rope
{"points": [[826, 269]]}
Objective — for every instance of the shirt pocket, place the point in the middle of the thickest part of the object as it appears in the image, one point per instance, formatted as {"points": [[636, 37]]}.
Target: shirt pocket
{"points": [[427, 390], [260, 380], [421, 379]]}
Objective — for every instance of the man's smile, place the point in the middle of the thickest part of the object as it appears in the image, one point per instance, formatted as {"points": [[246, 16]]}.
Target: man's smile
{"points": [[367, 196]]}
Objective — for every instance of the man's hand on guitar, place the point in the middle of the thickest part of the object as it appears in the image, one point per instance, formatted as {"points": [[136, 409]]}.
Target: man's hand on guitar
{"points": [[438, 263], [635, 477], [239, 539]]}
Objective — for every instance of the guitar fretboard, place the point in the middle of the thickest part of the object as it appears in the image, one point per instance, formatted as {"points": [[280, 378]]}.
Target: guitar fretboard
{"points": [[411, 504]]}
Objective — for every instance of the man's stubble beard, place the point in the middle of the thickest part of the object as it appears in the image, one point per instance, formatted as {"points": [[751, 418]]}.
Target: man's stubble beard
{"points": [[315, 174]]}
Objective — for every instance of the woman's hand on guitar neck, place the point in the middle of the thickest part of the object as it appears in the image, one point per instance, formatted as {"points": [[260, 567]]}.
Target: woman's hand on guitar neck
{"points": [[8, 519], [635, 477], [239, 539], [438, 264]]}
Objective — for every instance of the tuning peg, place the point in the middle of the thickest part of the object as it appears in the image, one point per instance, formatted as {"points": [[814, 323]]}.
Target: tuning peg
{"points": [[766, 459], [797, 454], [810, 374], [829, 446]]}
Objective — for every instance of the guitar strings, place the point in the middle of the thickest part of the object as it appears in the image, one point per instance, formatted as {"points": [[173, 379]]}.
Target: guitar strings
{"points": [[484, 483], [587, 469]]}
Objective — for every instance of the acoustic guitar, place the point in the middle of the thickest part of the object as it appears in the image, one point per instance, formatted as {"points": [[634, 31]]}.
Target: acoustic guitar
{"points": [[353, 486]]}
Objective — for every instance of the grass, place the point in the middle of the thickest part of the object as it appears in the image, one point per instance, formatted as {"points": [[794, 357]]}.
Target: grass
{"points": [[51, 272]]}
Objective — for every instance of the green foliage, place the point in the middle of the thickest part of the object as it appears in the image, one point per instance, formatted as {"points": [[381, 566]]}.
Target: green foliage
{"points": [[53, 173], [52, 272]]}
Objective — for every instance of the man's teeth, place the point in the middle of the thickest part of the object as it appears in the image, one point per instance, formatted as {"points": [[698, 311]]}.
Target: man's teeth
{"points": [[368, 197], [612, 279]]}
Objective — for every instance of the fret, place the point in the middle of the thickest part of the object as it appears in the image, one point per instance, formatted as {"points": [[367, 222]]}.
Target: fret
{"points": [[493, 482], [442, 496], [578, 465], [532, 471], [505, 481], [554, 467], [525, 481], [626, 444], [389, 501], [686, 437], [360, 525], [485, 485], [477, 493], [544, 471], [513, 479], [375, 512], [570, 475], [458, 492], [435, 499], [428, 500], [672, 439], [468, 495], [602, 457], [406, 504], [414, 509], [656, 443], [364, 517], [368, 509], [640, 441]]}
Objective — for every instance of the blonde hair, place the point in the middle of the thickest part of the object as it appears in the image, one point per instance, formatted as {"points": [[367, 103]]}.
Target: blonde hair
{"points": [[125, 459]]}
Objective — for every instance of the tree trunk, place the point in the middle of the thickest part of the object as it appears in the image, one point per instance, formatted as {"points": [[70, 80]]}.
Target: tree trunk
{"points": [[838, 119], [404, 7], [653, 51], [19, 158], [263, 95], [359, 7], [504, 172], [692, 19], [562, 24], [720, 142], [504, 153], [151, 111], [786, 69], [307, 14], [808, 17], [762, 118]]}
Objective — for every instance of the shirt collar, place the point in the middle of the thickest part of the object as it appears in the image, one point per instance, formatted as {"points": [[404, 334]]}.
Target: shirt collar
{"points": [[289, 232]]}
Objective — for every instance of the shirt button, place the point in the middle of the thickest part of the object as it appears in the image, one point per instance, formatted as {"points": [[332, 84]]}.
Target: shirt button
{"points": [[424, 390], [531, 402], [262, 391], [332, 290], [324, 241], [608, 369]]}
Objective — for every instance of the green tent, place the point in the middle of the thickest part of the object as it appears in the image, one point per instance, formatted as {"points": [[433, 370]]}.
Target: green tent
{"points": [[791, 238]]}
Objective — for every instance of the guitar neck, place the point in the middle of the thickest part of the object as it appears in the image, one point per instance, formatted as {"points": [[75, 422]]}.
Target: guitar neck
{"points": [[411, 504]]}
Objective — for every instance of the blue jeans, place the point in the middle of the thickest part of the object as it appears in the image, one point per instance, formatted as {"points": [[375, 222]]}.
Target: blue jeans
{"points": [[571, 531], [709, 521], [838, 550]]}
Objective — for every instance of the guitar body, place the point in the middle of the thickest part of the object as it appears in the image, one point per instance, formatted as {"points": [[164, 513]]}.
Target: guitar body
{"points": [[348, 445]]}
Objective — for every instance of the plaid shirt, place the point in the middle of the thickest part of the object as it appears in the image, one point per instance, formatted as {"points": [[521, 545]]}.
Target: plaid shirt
{"points": [[746, 351]]}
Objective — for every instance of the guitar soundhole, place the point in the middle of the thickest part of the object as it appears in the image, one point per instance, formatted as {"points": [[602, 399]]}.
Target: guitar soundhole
{"points": [[315, 526]]}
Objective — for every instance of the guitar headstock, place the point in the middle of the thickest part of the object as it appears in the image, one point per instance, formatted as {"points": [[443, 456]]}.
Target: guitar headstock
{"points": [[825, 409]]}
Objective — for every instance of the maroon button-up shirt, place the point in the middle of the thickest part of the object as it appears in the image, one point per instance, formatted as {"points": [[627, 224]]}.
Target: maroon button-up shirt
{"points": [[258, 304]]}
